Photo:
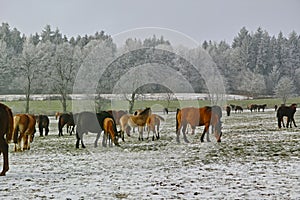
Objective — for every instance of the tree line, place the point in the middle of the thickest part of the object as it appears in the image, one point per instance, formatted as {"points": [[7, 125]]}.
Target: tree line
{"points": [[48, 62]]}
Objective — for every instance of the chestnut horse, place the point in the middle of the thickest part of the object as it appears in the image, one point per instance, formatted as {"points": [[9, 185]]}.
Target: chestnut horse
{"points": [[65, 119], [138, 119], [24, 130], [6, 129], [152, 121], [204, 116]]}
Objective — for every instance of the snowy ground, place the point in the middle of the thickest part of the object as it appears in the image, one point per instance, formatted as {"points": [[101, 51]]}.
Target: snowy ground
{"points": [[255, 160]]}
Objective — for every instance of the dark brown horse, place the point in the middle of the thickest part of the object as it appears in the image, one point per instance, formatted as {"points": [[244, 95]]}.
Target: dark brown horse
{"points": [[6, 129], [43, 123], [238, 109], [228, 110], [66, 119], [204, 116], [289, 112], [261, 107]]}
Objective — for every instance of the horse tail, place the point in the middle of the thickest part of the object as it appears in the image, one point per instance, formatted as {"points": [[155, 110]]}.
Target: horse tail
{"points": [[10, 127], [15, 129], [160, 117], [178, 119]]}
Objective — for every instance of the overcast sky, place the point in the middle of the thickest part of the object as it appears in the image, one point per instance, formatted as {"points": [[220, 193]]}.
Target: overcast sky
{"points": [[201, 20]]}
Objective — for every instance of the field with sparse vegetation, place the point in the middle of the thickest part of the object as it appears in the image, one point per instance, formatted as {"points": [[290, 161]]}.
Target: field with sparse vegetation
{"points": [[255, 160]]}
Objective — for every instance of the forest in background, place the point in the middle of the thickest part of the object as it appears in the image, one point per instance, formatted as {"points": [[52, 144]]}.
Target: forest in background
{"points": [[255, 64]]}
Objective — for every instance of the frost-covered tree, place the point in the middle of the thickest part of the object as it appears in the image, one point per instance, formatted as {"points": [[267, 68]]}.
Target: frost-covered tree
{"points": [[28, 68], [284, 89], [64, 66]]}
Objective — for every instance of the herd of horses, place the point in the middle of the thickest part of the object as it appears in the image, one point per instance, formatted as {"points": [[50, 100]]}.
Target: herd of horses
{"points": [[20, 128]]}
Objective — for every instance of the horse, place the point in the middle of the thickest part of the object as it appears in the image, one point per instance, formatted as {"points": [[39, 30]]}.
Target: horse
{"points": [[289, 112], [152, 121], [24, 130], [263, 107], [66, 118], [275, 107], [43, 123], [138, 119], [239, 109], [117, 114], [6, 129], [166, 111], [204, 116], [94, 123], [228, 110], [252, 107]]}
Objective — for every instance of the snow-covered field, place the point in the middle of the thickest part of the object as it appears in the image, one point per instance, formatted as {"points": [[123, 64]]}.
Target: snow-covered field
{"points": [[255, 160]]}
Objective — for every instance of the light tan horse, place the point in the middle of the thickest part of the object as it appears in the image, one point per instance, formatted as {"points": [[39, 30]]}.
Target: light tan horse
{"points": [[24, 130], [6, 129], [152, 121], [139, 119]]}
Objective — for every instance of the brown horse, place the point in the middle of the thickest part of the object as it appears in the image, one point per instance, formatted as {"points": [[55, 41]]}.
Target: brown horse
{"points": [[6, 128], [110, 131], [152, 121], [117, 114], [24, 130], [138, 119], [66, 119], [204, 116]]}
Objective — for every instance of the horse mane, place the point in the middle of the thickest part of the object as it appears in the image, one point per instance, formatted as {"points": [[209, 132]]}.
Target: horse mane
{"points": [[146, 111]]}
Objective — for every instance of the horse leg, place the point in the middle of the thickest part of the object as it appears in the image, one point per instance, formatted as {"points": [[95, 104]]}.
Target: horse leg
{"points": [[104, 140], [207, 134], [4, 150], [184, 133], [46, 131], [97, 138], [41, 130], [203, 134], [140, 130], [157, 136], [293, 120], [279, 119]]}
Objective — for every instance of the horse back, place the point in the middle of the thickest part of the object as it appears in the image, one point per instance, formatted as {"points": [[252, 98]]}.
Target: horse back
{"points": [[88, 122]]}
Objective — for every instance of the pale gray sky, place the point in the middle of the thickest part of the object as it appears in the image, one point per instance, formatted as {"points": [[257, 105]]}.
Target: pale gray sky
{"points": [[202, 20]]}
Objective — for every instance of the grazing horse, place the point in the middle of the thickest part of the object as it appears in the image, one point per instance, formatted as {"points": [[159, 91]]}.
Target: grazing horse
{"points": [[24, 130], [204, 116], [228, 109], [43, 123], [138, 119], [152, 121], [6, 129], [66, 118], [95, 123], [289, 112], [263, 107], [253, 107], [239, 109]]}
